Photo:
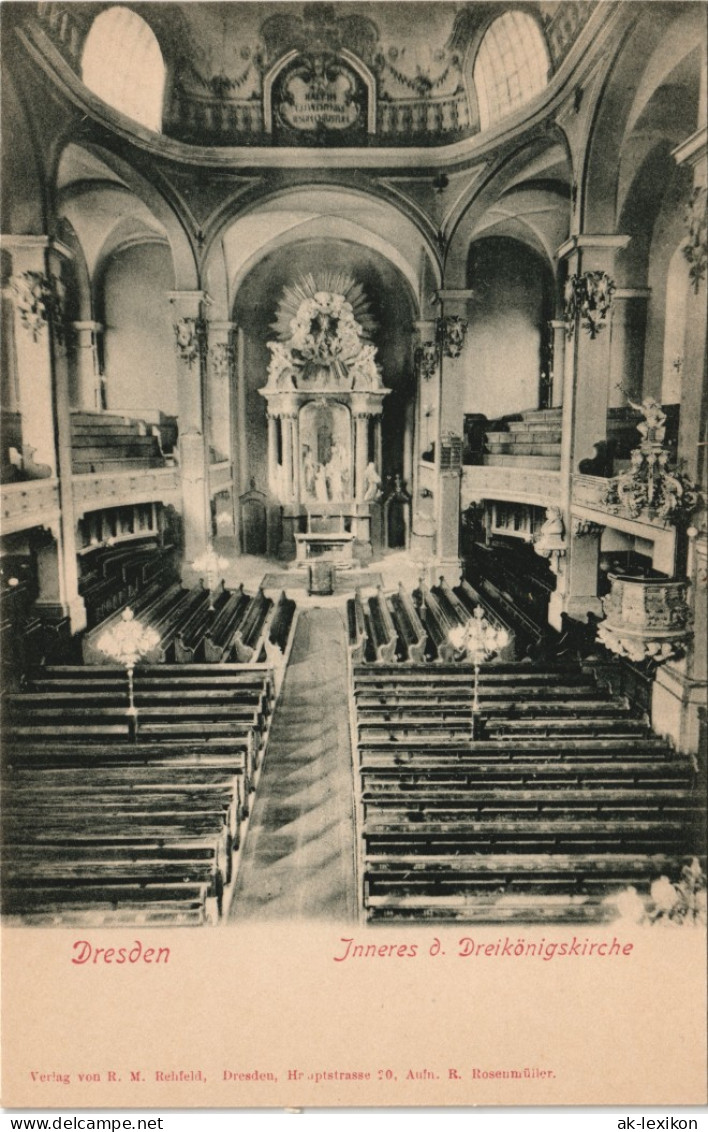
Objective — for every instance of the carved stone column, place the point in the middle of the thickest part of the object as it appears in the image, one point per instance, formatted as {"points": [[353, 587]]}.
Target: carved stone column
{"points": [[287, 487], [361, 453], [189, 325], [290, 511], [694, 399], [241, 475], [57, 255], [29, 288], [424, 486], [559, 330], [452, 328], [590, 263], [220, 361], [219, 385], [588, 349], [273, 465], [43, 379], [296, 456], [629, 320], [88, 379], [680, 687]]}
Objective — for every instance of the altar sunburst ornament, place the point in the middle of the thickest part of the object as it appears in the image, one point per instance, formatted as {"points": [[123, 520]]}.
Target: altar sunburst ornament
{"points": [[323, 328], [309, 288]]}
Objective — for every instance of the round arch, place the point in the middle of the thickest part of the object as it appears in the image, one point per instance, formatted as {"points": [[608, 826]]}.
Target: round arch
{"points": [[537, 177], [394, 308], [651, 50], [165, 211], [318, 211]]}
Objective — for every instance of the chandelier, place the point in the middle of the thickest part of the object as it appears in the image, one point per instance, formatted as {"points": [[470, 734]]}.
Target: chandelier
{"points": [[128, 641], [211, 566], [480, 640]]}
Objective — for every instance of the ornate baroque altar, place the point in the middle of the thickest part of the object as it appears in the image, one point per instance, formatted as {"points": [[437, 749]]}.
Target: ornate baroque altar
{"points": [[324, 396]]}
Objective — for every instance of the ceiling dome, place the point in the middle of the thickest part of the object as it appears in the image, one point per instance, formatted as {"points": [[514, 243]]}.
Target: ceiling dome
{"points": [[342, 74]]}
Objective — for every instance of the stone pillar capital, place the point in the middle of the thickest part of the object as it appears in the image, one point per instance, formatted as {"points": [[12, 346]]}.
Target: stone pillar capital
{"points": [[220, 330], [693, 149], [643, 293], [592, 251], [188, 304], [455, 300]]}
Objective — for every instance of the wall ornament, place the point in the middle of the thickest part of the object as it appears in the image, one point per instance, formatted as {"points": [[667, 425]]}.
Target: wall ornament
{"points": [[585, 528], [588, 297], [696, 247], [651, 487], [550, 541], [453, 329], [39, 299], [426, 360], [221, 355], [190, 338], [323, 342]]}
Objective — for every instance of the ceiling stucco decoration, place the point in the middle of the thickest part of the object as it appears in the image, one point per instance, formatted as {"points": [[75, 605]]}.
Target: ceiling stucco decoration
{"points": [[219, 56]]}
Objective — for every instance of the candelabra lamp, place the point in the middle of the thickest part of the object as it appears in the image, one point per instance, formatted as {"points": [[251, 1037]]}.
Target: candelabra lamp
{"points": [[211, 566], [128, 641], [480, 640]]}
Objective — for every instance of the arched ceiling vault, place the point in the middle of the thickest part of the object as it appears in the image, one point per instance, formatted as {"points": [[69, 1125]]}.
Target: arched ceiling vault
{"points": [[527, 195], [657, 67], [317, 212], [97, 189]]}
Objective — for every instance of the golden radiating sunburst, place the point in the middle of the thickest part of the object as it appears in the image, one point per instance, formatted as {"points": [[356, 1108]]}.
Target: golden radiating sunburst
{"points": [[329, 282]]}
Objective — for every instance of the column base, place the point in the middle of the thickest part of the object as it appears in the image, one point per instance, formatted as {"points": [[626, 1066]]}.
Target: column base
{"points": [[422, 542], [448, 568], [579, 607], [676, 702], [363, 552], [55, 611]]}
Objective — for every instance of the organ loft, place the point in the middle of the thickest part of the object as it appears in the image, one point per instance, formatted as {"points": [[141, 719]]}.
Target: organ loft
{"points": [[353, 449]]}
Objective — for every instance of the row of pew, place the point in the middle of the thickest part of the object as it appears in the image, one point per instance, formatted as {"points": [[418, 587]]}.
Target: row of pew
{"points": [[111, 818], [201, 626], [562, 797], [415, 627], [116, 577]]}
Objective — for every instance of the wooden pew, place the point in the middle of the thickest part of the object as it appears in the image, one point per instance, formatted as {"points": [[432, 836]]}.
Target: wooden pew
{"points": [[384, 639], [438, 623], [109, 905], [248, 643], [496, 888], [190, 638], [170, 624], [564, 797], [356, 628], [218, 640], [450, 603], [409, 628], [281, 622]]}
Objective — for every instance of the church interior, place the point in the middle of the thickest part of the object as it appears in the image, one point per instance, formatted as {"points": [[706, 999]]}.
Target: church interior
{"points": [[353, 454]]}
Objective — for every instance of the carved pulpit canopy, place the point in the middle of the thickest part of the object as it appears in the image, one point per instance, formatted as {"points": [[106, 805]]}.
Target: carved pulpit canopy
{"points": [[323, 341]]}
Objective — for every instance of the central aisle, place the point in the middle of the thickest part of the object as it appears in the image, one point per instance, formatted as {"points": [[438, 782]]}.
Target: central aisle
{"points": [[299, 855]]}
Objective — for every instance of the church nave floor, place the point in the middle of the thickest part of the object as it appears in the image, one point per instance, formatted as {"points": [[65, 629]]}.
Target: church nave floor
{"points": [[299, 853]]}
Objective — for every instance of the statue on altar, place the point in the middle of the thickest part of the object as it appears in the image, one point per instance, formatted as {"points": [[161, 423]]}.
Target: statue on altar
{"points": [[372, 483], [309, 471]]}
